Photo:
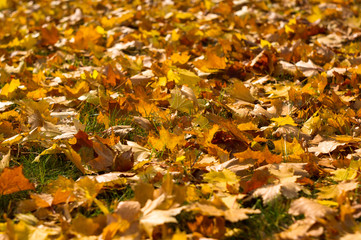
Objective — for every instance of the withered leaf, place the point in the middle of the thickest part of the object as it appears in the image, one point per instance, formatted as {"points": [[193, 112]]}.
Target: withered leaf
{"points": [[123, 161], [310, 208]]}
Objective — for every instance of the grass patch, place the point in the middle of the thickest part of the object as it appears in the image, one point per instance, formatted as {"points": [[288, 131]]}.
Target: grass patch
{"points": [[274, 218], [40, 173], [110, 198], [113, 196], [50, 167], [90, 112], [88, 117]]}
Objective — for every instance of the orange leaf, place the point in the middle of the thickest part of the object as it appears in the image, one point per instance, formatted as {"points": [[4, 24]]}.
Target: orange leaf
{"points": [[85, 37], [212, 63], [12, 180], [49, 36]]}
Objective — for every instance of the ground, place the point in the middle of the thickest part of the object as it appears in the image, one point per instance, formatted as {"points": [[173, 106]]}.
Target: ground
{"points": [[197, 119]]}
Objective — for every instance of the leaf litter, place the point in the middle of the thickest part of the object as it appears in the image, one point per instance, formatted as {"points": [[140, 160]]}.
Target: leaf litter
{"points": [[199, 108]]}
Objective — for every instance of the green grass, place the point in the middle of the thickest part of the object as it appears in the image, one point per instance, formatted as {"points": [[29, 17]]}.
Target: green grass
{"points": [[110, 198], [90, 112], [273, 219], [50, 167]]}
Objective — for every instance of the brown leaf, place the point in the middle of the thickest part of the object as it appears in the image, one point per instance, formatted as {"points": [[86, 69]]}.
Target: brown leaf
{"points": [[227, 124], [105, 157], [128, 210], [310, 208], [49, 35], [143, 123], [123, 161]]}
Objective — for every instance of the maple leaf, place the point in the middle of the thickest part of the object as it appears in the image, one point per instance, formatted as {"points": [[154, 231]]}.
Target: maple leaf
{"points": [[221, 179], [264, 156], [212, 63], [282, 121], [285, 185], [12, 180], [302, 228], [221, 104], [240, 91], [333, 191], [289, 150], [85, 37], [166, 139], [49, 35], [87, 190], [310, 208], [325, 147]]}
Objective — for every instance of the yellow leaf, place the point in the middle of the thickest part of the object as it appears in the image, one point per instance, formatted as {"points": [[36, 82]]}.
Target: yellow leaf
{"points": [[328, 203], [79, 89], [312, 125], [281, 121], [180, 159], [180, 58], [162, 81], [316, 14], [212, 63], [88, 189], [240, 91], [12, 140], [172, 76], [52, 150], [184, 15], [175, 35], [221, 179], [3, 4], [166, 139], [265, 43], [8, 89], [75, 158], [249, 126], [103, 119], [36, 94], [342, 174], [100, 30], [179, 236], [291, 150], [126, 16], [192, 194]]}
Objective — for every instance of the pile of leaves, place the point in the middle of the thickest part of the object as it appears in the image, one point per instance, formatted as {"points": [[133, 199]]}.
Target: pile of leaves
{"points": [[181, 119]]}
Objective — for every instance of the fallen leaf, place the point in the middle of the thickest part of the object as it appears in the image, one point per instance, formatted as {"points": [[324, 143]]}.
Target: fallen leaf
{"points": [[167, 139], [325, 147], [4, 163], [310, 208], [282, 121], [240, 91], [12, 180]]}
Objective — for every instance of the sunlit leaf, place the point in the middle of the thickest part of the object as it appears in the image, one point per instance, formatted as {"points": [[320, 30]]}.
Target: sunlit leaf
{"points": [[281, 121], [167, 139]]}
